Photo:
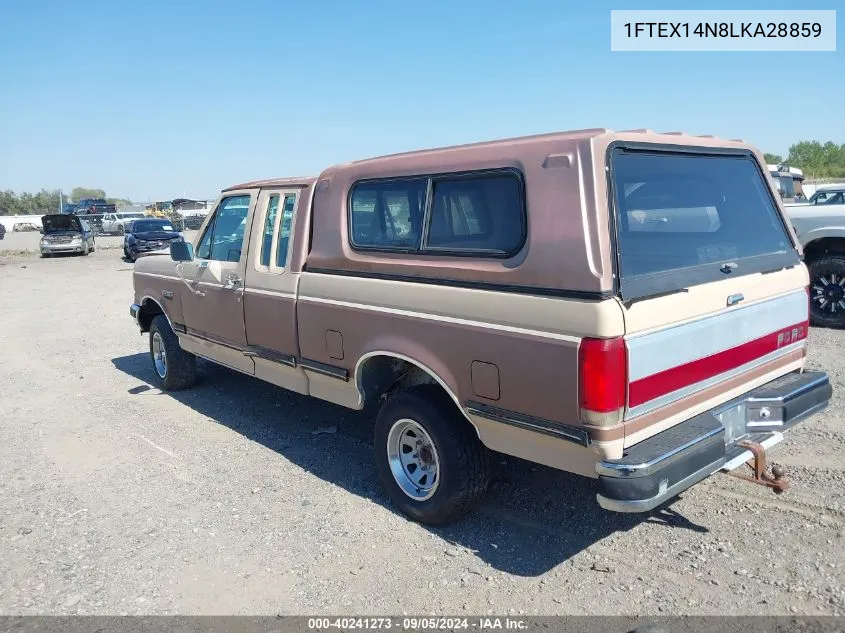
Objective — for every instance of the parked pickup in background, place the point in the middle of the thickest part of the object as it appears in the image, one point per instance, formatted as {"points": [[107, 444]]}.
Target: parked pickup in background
{"points": [[820, 226], [93, 206], [115, 223], [630, 307]]}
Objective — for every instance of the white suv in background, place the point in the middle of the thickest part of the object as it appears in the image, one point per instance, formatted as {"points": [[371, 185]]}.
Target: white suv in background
{"points": [[114, 223]]}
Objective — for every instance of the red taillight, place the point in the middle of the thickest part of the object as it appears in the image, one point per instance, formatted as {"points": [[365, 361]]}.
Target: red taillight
{"points": [[602, 380]]}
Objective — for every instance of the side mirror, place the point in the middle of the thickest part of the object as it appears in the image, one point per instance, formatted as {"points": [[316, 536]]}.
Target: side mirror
{"points": [[181, 251]]}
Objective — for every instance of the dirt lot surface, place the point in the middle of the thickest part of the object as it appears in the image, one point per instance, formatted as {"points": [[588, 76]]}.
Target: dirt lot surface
{"points": [[231, 499]]}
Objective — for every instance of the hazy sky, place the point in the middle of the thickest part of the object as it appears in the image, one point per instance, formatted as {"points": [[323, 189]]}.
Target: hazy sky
{"points": [[155, 99]]}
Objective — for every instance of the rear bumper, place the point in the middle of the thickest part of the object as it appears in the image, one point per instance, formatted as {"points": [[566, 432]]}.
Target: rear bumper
{"points": [[662, 466]]}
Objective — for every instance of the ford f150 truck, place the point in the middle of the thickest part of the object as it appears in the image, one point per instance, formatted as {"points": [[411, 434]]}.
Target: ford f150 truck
{"points": [[630, 307], [820, 226]]}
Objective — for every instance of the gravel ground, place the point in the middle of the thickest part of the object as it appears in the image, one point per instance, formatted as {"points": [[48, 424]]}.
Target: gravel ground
{"points": [[224, 499]]}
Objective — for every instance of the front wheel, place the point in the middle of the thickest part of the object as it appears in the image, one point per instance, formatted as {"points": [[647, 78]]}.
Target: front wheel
{"points": [[429, 457], [827, 291], [175, 368]]}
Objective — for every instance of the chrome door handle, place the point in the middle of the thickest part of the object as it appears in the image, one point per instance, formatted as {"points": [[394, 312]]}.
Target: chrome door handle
{"points": [[232, 282]]}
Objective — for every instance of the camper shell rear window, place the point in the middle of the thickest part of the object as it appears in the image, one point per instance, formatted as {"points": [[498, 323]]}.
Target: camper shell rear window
{"points": [[684, 218]]}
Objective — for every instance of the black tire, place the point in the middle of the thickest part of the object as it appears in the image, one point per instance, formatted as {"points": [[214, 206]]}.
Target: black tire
{"points": [[180, 370], [133, 257], [93, 245], [125, 253], [46, 255], [464, 461], [828, 268]]}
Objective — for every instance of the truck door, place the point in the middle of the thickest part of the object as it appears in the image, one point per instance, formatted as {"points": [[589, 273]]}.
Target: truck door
{"points": [[270, 291], [213, 307]]}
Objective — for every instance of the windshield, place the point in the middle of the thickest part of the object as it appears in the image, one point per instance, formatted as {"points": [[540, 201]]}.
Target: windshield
{"points": [[682, 217], [148, 226]]}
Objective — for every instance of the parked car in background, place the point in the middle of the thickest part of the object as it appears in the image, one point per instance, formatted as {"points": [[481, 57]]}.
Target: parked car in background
{"points": [[193, 221], [25, 227], [191, 212], [65, 233], [2, 231], [148, 235], [820, 227], [828, 195], [115, 223]]}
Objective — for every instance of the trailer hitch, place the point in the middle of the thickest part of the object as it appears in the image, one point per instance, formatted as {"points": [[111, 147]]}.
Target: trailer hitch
{"points": [[757, 463]]}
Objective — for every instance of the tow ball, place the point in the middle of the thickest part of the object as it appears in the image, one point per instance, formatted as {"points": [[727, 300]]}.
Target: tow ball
{"points": [[757, 463]]}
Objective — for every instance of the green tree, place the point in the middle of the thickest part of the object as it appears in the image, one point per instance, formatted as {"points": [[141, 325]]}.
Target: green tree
{"points": [[80, 193], [39, 203], [773, 159], [817, 160]]}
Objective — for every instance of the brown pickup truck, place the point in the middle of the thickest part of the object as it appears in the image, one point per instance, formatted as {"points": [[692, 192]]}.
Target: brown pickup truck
{"points": [[630, 307]]}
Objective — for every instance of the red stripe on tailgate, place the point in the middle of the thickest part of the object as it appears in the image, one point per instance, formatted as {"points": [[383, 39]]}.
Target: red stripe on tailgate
{"points": [[669, 380]]}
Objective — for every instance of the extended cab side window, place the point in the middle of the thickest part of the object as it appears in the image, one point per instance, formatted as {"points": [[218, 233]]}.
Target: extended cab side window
{"points": [[224, 236], [277, 229], [284, 231], [269, 225]]}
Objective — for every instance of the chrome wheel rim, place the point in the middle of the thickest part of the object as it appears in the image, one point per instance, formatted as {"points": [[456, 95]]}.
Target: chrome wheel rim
{"points": [[413, 459], [828, 293], [159, 355]]}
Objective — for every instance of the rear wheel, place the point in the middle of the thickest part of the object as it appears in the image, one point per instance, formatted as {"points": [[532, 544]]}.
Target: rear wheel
{"points": [[428, 456], [827, 291], [174, 368], [86, 249]]}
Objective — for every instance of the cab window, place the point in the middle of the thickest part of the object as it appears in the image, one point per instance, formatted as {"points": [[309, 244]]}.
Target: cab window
{"points": [[224, 236]]}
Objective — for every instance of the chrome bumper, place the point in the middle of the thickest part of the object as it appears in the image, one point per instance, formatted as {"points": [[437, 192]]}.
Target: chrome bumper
{"points": [[657, 469], [134, 311], [61, 248]]}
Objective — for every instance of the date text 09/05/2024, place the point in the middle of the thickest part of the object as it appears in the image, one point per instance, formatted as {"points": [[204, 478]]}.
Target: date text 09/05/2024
{"points": [[723, 29], [409, 623]]}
